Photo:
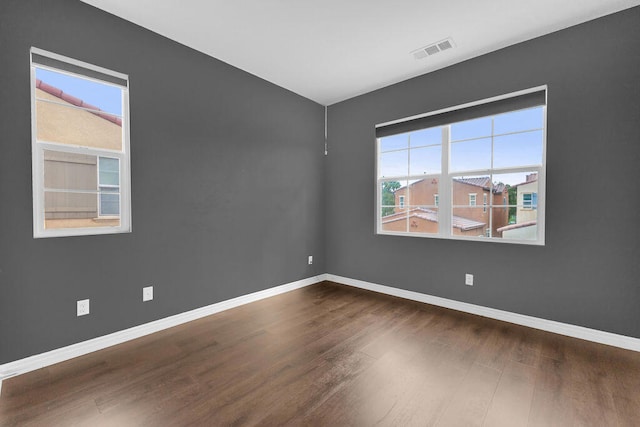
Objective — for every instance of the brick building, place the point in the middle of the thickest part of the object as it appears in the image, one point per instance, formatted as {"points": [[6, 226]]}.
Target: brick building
{"points": [[416, 207]]}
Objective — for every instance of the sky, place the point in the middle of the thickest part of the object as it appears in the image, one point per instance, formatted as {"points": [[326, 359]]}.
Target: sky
{"points": [[104, 96], [419, 152]]}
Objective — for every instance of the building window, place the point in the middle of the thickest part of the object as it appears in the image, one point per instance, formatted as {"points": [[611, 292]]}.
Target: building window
{"points": [[442, 160], [80, 147], [529, 200], [109, 186]]}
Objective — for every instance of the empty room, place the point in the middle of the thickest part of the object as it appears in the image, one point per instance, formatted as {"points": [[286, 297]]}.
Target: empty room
{"points": [[337, 213]]}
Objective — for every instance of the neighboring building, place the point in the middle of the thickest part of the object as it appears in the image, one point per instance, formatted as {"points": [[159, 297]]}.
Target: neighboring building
{"points": [[88, 204], [526, 226], [471, 199]]}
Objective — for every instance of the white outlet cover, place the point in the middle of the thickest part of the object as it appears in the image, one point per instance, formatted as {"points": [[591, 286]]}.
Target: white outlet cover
{"points": [[82, 307], [147, 293], [468, 279], [310, 259]]}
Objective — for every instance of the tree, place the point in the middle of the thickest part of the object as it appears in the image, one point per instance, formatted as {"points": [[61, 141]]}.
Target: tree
{"points": [[513, 200], [388, 196]]}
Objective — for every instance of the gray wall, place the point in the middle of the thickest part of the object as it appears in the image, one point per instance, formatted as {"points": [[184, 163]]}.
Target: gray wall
{"points": [[227, 173], [587, 274], [231, 191]]}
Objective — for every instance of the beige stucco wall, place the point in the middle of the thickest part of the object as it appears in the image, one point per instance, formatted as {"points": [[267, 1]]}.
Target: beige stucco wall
{"points": [[72, 125], [526, 215]]}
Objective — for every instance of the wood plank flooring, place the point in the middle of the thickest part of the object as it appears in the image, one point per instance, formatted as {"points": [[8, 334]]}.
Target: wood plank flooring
{"points": [[332, 355]]}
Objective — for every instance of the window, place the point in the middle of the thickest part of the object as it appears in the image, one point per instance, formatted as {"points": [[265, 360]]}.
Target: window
{"points": [[109, 186], [435, 165], [80, 147], [529, 200]]}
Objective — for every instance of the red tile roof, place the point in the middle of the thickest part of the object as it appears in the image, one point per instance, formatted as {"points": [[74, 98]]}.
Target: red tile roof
{"points": [[58, 93], [482, 181], [463, 224], [516, 226]]}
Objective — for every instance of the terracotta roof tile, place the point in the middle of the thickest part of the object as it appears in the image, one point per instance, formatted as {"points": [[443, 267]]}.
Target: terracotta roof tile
{"points": [[482, 181], [463, 224], [516, 226], [58, 93]]}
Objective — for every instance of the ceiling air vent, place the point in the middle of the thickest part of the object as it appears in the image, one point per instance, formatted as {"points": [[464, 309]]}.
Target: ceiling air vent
{"points": [[433, 48]]}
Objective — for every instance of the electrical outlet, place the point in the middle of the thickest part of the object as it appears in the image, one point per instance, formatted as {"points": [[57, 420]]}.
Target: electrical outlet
{"points": [[82, 307], [147, 293], [468, 279], [310, 259]]}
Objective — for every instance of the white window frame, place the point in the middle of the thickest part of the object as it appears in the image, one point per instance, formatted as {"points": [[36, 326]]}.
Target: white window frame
{"points": [[446, 206], [401, 201], [436, 199], [473, 200], [527, 206], [39, 147]]}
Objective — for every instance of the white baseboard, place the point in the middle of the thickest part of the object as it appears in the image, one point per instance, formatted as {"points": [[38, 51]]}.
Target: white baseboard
{"points": [[574, 331], [38, 361]]}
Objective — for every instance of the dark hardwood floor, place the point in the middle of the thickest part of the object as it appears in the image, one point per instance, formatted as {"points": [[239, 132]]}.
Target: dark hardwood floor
{"points": [[331, 355]]}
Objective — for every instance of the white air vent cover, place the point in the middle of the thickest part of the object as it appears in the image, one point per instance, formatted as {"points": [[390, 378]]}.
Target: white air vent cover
{"points": [[433, 48]]}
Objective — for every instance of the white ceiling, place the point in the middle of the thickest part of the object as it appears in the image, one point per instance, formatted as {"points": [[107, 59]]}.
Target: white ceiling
{"points": [[331, 50]]}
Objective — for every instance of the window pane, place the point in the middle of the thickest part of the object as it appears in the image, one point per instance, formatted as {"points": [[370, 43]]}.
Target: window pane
{"points": [[64, 124], [393, 219], [94, 95], [424, 137], [523, 229], [109, 203], [469, 190], [427, 160], [68, 210], [423, 219], [511, 182], [394, 163], [469, 221], [517, 121], [69, 171], [520, 149], [470, 155], [109, 164], [394, 142], [109, 178], [109, 171], [390, 192], [477, 128], [423, 191], [522, 194]]}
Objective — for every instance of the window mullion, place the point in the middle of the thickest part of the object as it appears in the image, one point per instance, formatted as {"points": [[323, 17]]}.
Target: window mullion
{"points": [[445, 198]]}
